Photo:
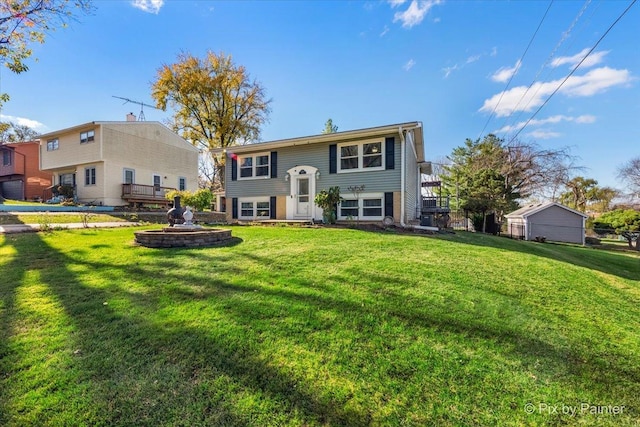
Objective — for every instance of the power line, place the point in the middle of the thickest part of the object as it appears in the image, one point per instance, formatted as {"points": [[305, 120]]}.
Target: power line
{"points": [[518, 64], [574, 70], [565, 35]]}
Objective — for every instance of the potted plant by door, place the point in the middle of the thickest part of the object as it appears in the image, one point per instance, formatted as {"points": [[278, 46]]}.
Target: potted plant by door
{"points": [[328, 201]]}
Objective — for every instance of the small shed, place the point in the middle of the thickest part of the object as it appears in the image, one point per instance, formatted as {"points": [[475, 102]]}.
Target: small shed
{"points": [[548, 220]]}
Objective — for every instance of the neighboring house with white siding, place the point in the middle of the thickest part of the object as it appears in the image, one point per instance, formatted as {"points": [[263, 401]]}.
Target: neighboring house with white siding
{"points": [[549, 220], [120, 163], [377, 169]]}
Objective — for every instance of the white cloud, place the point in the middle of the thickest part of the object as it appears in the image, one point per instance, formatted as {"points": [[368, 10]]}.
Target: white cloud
{"points": [[473, 58], [521, 99], [595, 81], [409, 65], [415, 13], [584, 119], [594, 59], [543, 134], [384, 31], [149, 6], [22, 121], [505, 73], [449, 70], [494, 51], [396, 3]]}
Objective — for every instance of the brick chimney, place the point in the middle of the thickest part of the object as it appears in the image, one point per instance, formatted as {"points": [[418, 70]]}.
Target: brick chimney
{"points": [[131, 117]]}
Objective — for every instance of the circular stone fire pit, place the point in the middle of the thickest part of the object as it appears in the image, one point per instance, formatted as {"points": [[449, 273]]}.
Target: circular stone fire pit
{"points": [[176, 237]]}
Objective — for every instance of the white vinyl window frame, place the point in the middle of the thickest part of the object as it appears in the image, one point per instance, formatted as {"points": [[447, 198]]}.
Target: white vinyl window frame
{"points": [[87, 136], [53, 144], [254, 208], [368, 155], [254, 166], [367, 207]]}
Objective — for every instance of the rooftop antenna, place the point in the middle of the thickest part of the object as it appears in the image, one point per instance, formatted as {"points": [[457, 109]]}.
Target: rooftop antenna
{"points": [[142, 105]]}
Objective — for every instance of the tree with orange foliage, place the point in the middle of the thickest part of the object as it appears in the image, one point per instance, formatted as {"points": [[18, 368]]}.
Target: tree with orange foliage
{"points": [[216, 104]]}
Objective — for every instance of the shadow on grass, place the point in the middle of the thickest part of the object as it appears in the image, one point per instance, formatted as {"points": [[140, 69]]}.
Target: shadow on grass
{"points": [[135, 368], [10, 218], [131, 371]]}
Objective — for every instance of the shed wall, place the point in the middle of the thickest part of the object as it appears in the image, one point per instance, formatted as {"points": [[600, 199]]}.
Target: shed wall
{"points": [[556, 224]]}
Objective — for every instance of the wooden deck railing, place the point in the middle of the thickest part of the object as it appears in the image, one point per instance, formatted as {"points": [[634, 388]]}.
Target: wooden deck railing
{"points": [[145, 193]]}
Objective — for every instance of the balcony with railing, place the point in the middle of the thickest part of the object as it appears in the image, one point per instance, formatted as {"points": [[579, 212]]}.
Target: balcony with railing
{"points": [[150, 194], [434, 204]]}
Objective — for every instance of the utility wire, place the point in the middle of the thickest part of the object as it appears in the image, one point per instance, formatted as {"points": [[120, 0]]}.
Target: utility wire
{"points": [[574, 70], [518, 65], [564, 37]]}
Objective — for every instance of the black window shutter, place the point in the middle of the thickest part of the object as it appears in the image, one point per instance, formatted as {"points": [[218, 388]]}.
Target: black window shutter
{"points": [[234, 168], [234, 208], [389, 152], [388, 204], [272, 207], [333, 158], [274, 164]]}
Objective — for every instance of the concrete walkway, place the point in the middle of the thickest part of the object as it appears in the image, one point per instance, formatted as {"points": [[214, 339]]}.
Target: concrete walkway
{"points": [[22, 228]]}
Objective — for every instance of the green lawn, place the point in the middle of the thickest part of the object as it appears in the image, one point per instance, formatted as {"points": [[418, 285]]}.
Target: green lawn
{"points": [[62, 218], [326, 326]]}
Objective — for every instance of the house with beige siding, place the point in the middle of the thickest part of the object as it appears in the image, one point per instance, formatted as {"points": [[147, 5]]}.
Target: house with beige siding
{"points": [[120, 163], [377, 170], [547, 221]]}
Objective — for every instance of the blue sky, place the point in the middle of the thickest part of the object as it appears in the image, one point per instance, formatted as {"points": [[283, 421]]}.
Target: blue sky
{"points": [[364, 64]]}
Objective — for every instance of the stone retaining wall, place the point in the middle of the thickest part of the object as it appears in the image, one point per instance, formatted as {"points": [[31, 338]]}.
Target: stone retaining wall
{"points": [[174, 239]]}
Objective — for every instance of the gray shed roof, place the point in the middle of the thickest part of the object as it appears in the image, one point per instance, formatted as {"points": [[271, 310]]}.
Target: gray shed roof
{"points": [[537, 207]]}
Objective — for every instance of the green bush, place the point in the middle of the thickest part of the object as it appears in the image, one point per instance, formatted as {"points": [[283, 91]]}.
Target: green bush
{"points": [[200, 200]]}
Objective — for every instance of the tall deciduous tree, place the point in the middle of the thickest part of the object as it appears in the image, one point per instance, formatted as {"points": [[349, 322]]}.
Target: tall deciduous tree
{"points": [[625, 223], [580, 191], [629, 172], [329, 127], [585, 194], [23, 22], [216, 103], [491, 175], [13, 132]]}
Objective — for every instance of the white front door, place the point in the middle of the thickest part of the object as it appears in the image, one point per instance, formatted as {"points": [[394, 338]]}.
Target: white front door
{"points": [[302, 181], [302, 196]]}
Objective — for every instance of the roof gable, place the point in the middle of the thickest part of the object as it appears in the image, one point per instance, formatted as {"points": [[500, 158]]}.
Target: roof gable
{"points": [[537, 207]]}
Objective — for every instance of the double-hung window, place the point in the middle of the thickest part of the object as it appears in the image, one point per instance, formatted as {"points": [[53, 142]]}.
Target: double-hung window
{"points": [[182, 183], [87, 136], [52, 144], [6, 158], [360, 156], [90, 176], [254, 208], [254, 166], [368, 206]]}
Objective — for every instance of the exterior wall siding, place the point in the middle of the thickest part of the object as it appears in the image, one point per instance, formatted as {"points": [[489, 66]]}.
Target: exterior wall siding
{"points": [[556, 224], [70, 152], [94, 194], [316, 155], [25, 168]]}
